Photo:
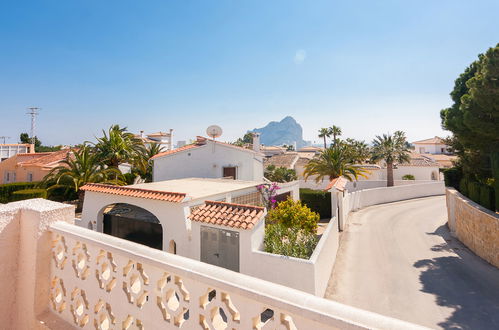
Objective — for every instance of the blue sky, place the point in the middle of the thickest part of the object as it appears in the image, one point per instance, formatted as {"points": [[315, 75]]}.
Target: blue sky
{"points": [[367, 66]]}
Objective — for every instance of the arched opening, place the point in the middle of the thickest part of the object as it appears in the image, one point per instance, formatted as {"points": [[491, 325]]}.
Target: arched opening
{"points": [[133, 223], [172, 248]]}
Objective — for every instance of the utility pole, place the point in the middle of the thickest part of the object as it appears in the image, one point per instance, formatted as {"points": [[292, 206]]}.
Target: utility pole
{"points": [[4, 137], [33, 111]]}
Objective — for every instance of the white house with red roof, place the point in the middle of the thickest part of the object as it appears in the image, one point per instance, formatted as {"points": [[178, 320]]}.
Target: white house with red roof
{"points": [[207, 158], [435, 145]]}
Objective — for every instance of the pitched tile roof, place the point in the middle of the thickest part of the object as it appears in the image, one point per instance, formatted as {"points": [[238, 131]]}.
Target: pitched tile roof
{"points": [[135, 192], [228, 214], [48, 159], [200, 141], [287, 160], [434, 140], [338, 183], [419, 160], [173, 151]]}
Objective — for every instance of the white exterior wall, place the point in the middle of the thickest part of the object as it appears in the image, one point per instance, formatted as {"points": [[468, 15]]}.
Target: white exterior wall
{"points": [[170, 215], [430, 148], [208, 161]]}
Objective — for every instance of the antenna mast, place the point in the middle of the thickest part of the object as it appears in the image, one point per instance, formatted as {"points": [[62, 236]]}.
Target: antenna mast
{"points": [[33, 111], [4, 137]]}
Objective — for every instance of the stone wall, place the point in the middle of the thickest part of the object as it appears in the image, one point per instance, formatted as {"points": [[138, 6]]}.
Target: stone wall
{"points": [[475, 226]]}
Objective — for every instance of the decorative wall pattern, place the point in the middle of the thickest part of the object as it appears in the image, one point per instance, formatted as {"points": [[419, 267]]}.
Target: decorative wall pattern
{"points": [[92, 288]]}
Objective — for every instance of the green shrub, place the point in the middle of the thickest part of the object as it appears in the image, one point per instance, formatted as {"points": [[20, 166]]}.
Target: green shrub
{"points": [[408, 177], [295, 215], [452, 176], [463, 186], [474, 191], [288, 241], [487, 197], [318, 201], [28, 194], [6, 190]]}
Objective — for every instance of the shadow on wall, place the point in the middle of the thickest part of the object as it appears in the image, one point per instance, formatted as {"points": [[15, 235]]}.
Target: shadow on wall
{"points": [[472, 291]]}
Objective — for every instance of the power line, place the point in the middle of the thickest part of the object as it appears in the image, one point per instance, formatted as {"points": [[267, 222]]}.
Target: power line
{"points": [[33, 111]]}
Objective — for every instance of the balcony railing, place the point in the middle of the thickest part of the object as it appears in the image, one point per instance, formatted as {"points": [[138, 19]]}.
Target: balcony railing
{"points": [[72, 277]]}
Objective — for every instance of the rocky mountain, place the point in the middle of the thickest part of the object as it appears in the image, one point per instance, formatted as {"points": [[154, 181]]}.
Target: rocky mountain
{"points": [[286, 131]]}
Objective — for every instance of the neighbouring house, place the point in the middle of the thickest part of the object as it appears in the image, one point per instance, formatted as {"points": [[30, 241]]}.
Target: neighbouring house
{"points": [[207, 158], [287, 160], [435, 145], [309, 149], [270, 151], [217, 221], [9, 150], [444, 160], [31, 167], [164, 139]]}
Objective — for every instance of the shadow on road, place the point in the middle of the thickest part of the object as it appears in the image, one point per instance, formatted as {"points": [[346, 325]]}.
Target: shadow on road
{"points": [[464, 283]]}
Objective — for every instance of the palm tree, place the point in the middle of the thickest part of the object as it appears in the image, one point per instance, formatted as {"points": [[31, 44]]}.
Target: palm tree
{"points": [[117, 146], [335, 131], [324, 133], [81, 167], [359, 151], [141, 163], [333, 162], [391, 149]]}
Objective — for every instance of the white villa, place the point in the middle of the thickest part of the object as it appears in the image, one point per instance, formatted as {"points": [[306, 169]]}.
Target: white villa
{"points": [[432, 146], [207, 158], [9, 150], [164, 139]]}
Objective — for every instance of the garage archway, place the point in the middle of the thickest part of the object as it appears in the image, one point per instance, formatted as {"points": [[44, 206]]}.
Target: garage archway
{"points": [[133, 223]]}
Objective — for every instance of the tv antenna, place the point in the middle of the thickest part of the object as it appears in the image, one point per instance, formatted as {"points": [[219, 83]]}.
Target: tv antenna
{"points": [[33, 111], [4, 137], [214, 131]]}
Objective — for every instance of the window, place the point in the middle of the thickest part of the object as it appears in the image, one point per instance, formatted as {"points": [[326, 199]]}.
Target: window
{"points": [[30, 177], [229, 172]]}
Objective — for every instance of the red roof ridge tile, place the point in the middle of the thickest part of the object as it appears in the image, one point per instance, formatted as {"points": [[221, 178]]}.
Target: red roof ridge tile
{"points": [[175, 197]]}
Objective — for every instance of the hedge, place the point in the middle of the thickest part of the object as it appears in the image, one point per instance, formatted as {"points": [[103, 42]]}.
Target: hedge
{"points": [[28, 194], [474, 191], [452, 176], [6, 190], [487, 197], [463, 186], [318, 201]]}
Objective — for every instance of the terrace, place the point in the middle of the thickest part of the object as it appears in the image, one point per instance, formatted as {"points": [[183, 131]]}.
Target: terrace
{"points": [[60, 276]]}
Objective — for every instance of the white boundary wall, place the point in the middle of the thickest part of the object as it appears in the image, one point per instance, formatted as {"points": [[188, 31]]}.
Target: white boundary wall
{"points": [[310, 275], [357, 200]]}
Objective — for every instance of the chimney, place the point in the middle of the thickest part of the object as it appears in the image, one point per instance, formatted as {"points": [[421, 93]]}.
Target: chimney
{"points": [[141, 134], [170, 140], [31, 148], [256, 142]]}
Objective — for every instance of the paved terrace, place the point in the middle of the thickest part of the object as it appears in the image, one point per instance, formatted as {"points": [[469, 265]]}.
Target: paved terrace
{"points": [[399, 260]]}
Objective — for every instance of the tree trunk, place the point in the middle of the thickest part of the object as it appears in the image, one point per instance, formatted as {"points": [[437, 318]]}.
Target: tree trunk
{"points": [[325, 146], [389, 174], [81, 197]]}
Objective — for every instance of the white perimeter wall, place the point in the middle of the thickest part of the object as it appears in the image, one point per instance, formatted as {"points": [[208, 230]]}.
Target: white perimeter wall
{"points": [[208, 161], [356, 200], [310, 275]]}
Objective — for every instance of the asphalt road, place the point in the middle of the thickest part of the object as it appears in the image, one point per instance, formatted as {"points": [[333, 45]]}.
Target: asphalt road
{"points": [[399, 260]]}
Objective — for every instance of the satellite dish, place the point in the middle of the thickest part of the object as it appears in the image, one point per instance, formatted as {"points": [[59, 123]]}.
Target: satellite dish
{"points": [[214, 131]]}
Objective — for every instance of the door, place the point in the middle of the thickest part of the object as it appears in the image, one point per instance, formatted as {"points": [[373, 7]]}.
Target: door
{"points": [[220, 247], [229, 172]]}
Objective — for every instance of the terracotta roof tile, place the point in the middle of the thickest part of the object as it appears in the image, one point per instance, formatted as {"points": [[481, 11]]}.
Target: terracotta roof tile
{"points": [[338, 183], [228, 214], [434, 140], [48, 158], [287, 160], [173, 151], [135, 192]]}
